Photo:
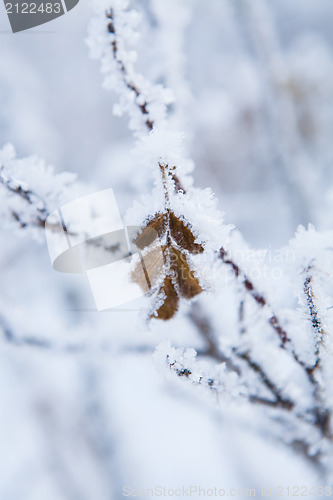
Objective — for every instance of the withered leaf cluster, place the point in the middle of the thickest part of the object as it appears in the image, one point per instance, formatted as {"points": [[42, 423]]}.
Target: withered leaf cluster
{"points": [[166, 242]]}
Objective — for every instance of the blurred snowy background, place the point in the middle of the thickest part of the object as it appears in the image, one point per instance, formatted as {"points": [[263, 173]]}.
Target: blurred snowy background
{"points": [[83, 409]]}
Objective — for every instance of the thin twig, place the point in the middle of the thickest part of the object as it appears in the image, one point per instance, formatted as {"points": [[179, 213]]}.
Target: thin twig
{"points": [[322, 413], [256, 295], [133, 87], [316, 322], [29, 196], [213, 350], [140, 102], [279, 401]]}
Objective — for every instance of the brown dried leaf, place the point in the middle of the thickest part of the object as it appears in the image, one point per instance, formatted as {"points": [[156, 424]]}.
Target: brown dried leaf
{"points": [[155, 227], [183, 236], [188, 284], [179, 280], [170, 305], [147, 271]]}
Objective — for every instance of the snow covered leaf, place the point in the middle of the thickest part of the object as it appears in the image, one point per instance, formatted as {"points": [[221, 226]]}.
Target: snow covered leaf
{"points": [[167, 242]]}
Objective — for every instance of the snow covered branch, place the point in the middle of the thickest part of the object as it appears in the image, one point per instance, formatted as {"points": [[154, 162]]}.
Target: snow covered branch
{"points": [[30, 190], [239, 385], [112, 34], [316, 321], [256, 295]]}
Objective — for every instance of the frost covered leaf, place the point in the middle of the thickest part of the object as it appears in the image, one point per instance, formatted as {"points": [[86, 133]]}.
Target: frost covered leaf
{"points": [[153, 263], [179, 231], [183, 236], [167, 266], [169, 297], [148, 233], [167, 242], [181, 271]]}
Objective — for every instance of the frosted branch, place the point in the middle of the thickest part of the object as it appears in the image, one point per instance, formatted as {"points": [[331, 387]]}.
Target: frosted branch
{"points": [[30, 190], [111, 36], [315, 319], [249, 287]]}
